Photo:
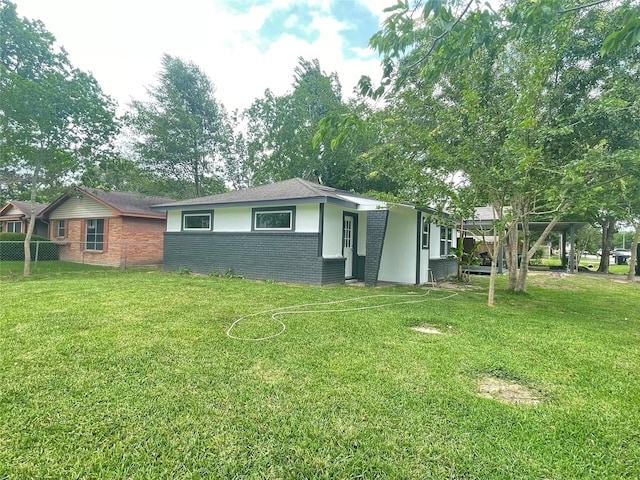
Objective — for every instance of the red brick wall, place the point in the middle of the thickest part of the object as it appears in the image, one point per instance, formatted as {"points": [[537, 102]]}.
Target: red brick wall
{"points": [[144, 240], [127, 241]]}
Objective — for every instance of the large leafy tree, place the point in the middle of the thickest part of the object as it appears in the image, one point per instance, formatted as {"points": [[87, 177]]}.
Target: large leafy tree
{"points": [[182, 133], [54, 119], [519, 110], [281, 128], [293, 136]]}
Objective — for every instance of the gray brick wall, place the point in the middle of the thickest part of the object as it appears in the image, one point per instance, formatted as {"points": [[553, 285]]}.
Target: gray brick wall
{"points": [[376, 231], [287, 257], [443, 267]]}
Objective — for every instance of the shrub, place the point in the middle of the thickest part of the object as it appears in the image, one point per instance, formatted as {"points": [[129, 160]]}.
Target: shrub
{"points": [[12, 247]]}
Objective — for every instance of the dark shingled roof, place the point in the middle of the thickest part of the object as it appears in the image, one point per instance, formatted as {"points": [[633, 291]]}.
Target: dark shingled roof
{"points": [[127, 204], [293, 189], [26, 207]]}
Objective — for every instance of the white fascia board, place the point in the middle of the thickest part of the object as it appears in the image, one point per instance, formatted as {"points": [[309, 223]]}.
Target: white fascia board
{"points": [[364, 203]]}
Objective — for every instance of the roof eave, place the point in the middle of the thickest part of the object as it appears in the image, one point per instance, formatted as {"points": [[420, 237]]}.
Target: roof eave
{"points": [[256, 203], [144, 215]]}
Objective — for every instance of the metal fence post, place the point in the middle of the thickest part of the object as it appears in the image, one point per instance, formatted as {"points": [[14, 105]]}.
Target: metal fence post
{"points": [[36, 259]]}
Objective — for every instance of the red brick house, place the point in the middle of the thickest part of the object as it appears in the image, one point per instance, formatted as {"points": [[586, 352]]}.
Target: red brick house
{"points": [[15, 217], [106, 228]]}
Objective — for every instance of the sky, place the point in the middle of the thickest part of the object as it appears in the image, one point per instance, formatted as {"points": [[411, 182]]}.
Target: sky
{"points": [[244, 46]]}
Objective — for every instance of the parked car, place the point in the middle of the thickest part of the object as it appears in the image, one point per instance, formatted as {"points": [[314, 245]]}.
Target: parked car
{"points": [[621, 255]]}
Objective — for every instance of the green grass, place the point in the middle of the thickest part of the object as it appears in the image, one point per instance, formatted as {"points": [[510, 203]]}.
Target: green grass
{"points": [[585, 262], [131, 375], [48, 268]]}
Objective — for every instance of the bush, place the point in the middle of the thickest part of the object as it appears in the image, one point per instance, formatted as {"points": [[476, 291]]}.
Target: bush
{"points": [[536, 259], [12, 247]]}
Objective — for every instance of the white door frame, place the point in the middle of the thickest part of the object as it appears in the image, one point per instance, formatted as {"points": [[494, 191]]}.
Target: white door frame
{"points": [[348, 242]]}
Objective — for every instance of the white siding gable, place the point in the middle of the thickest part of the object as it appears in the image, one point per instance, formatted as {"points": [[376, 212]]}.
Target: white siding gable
{"points": [[14, 211], [83, 207]]}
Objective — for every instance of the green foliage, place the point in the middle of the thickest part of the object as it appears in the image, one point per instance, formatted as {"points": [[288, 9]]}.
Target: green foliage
{"points": [[19, 237], [55, 117], [281, 129], [12, 247], [294, 136], [511, 108], [182, 132], [628, 36]]}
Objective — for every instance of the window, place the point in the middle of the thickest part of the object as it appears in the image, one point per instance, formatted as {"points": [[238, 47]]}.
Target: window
{"points": [[60, 228], [12, 227], [95, 234], [277, 219], [426, 227], [196, 221], [445, 241]]}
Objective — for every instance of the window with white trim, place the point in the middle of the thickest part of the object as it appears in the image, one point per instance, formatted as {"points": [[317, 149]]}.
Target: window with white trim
{"points": [[426, 230], [11, 227], [60, 228], [94, 234], [273, 219], [446, 238], [196, 221]]}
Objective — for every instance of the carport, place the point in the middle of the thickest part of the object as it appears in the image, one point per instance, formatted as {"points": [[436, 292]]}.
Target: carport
{"points": [[482, 226]]}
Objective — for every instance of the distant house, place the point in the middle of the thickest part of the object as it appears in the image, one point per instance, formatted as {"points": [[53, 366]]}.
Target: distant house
{"points": [[15, 217], [301, 232], [106, 228]]}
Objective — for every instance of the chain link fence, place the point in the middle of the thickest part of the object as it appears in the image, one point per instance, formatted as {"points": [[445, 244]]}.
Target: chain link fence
{"points": [[111, 254]]}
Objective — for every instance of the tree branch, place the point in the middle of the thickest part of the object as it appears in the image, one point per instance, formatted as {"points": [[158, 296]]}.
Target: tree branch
{"points": [[444, 34], [580, 7]]}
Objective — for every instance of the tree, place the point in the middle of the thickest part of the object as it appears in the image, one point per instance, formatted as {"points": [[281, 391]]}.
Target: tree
{"points": [[522, 112], [54, 119], [182, 132], [291, 136], [281, 128]]}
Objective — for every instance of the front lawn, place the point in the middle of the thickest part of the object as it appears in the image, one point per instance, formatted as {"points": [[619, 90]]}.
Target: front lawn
{"points": [[47, 268], [132, 375]]}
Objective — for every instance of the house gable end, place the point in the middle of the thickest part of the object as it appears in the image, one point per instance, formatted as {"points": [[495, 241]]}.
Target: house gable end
{"points": [[80, 206]]}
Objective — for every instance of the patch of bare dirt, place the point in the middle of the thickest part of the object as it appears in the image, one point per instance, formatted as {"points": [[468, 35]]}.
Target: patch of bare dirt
{"points": [[426, 329], [507, 391], [456, 286]]}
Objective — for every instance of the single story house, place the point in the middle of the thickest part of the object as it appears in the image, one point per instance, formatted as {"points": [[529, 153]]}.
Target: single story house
{"points": [[106, 228], [301, 232], [15, 217]]}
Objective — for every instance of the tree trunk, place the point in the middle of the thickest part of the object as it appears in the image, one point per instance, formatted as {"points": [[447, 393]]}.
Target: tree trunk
{"points": [[521, 281], [634, 251], [498, 241], [608, 229], [527, 252], [460, 252], [512, 256], [32, 222]]}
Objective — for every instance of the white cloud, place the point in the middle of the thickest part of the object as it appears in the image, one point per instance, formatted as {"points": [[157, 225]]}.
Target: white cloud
{"points": [[122, 41]]}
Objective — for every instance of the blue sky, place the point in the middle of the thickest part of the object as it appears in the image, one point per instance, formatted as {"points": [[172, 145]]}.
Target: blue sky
{"points": [[244, 46]]}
